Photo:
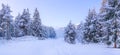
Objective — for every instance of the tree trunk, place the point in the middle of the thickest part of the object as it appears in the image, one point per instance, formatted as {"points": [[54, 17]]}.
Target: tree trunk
{"points": [[115, 46]]}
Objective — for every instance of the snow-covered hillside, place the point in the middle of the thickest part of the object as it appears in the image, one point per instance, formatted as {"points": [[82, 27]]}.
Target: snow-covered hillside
{"points": [[31, 46]]}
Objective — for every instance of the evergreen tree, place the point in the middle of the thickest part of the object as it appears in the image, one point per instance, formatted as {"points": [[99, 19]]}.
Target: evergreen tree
{"points": [[90, 27], [70, 33], [16, 26], [6, 21], [94, 27], [23, 23], [92, 31], [111, 20], [97, 28], [36, 26]]}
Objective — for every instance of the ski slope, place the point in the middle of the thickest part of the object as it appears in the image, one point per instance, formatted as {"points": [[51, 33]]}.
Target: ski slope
{"points": [[31, 46]]}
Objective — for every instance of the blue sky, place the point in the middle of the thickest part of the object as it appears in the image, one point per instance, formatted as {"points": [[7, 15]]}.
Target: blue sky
{"points": [[56, 13]]}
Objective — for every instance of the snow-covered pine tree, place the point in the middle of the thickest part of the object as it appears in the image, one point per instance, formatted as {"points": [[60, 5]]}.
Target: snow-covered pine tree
{"points": [[92, 31], [16, 26], [90, 27], [107, 17], [36, 26], [23, 23], [93, 26], [97, 27], [116, 25], [6, 21], [86, 30], [111, 20], [70, 33]]}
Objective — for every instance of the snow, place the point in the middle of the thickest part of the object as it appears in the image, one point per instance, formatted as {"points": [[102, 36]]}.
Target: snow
{"points": [[29, 45]]}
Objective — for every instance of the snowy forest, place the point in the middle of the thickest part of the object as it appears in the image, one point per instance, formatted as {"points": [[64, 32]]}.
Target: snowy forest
{"points": [[23, 25], [101, 27]]}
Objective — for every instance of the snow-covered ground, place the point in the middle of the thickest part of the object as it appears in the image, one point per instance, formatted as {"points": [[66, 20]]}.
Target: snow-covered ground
{"points": [[31, 46]]}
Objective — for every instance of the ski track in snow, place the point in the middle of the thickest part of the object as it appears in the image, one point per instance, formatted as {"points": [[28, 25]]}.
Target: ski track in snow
{"points": [[31, 46]]}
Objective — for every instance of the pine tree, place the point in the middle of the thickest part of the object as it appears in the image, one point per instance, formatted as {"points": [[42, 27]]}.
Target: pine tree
{"points": [[23, 23], [94, 28], [111, 20], [6, 21], [16, 26], [36, 26], [70, 33], [90, 28], [98, 27], [87, 29]]}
